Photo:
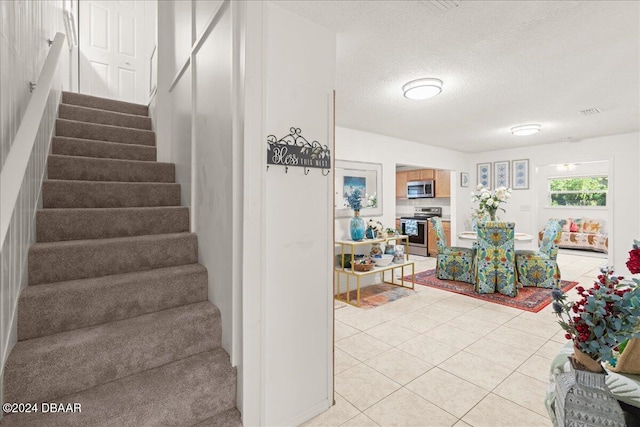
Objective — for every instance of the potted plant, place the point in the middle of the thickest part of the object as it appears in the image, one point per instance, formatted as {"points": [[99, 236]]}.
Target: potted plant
{"points": [[605, 316]]}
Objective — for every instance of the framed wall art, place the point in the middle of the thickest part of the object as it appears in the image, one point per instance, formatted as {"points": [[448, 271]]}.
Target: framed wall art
{"points": [[464, 179], [484, 175], [501, 174], [520, 172], [366, 177]]}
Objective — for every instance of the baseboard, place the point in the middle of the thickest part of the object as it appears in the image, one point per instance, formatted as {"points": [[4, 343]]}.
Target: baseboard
{"points": [[310, 413]]}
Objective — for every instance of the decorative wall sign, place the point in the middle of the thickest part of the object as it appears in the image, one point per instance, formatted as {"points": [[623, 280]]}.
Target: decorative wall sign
{"points": [[295, 150], [484, 175], [520, 174], [501, 174]]}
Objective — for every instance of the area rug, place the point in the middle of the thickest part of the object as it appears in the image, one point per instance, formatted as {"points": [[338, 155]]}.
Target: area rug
{"points": [[377, 295], [528, 299]]}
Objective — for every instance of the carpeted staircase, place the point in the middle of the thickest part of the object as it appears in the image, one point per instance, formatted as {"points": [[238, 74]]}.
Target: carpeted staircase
{"points": [[116, 315]]}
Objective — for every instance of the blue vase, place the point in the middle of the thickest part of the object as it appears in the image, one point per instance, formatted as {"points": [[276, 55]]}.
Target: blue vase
{"points": [[370, 233], [357, 227]]}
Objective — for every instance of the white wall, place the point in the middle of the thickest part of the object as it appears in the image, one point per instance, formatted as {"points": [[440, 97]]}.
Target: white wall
{"points": [[25, 27], [300, 78], [621, 153], [362, 146]]}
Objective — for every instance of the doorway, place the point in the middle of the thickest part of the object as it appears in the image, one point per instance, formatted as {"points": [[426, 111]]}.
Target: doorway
{"points": [[117, 45]]}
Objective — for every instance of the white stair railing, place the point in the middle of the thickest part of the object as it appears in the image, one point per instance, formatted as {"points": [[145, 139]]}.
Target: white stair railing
{"points": [[17, 160]]}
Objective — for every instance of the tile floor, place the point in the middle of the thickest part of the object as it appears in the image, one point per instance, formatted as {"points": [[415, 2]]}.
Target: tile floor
{"points": [[442, 359]]}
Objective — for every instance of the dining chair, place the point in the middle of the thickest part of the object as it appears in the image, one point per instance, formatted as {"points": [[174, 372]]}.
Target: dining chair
{"points": [[495, 259], [540, 268], [452, 263]]}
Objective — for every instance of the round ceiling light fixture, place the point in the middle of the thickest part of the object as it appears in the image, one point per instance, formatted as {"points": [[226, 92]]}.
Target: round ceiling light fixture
{"points": [[422, 88], [524, 130]]}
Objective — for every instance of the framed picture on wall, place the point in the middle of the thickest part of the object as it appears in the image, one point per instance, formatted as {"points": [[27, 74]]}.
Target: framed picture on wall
{"points": [[366, 177], [501, 174], [520, 172], [464, 179], [484, 175]]}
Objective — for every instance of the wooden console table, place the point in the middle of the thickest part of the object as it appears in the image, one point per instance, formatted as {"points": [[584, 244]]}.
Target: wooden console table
{"points": [[350, 272]]}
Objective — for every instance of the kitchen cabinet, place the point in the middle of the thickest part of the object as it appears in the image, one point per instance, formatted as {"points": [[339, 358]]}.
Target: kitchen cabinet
{"points": [[401, 185], [432, 247], [443, 183], [426, 174], [413, 175]]}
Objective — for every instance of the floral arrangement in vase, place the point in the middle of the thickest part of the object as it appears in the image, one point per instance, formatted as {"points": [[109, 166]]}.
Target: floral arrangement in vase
{"points": [[489, 201], [355, 200], [374, 228], [356, 226], [605, 316]]}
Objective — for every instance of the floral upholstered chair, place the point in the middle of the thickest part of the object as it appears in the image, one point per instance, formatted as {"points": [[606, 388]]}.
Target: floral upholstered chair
{"points": [[495, 259], [453, 263], [540, 268]]}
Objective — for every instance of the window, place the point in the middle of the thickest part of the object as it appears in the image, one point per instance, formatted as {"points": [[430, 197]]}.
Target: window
{"points": [[579, 191]]}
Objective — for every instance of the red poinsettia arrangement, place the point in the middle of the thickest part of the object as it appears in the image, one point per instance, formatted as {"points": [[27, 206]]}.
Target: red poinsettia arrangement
{"points": [[634, 258]]}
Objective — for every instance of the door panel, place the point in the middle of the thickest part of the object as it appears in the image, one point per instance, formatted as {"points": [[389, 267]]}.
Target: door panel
{"points": [[111, 37]]}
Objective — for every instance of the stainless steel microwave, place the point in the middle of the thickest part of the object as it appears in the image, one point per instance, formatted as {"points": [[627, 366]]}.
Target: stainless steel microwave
{"points": [[420, 189]]}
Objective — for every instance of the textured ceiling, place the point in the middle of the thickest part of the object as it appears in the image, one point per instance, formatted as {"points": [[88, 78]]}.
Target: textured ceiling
{"points": [[503, 63]]}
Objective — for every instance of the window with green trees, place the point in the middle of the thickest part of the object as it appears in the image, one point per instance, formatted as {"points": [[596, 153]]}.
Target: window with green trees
{"points": [[579, 191]]}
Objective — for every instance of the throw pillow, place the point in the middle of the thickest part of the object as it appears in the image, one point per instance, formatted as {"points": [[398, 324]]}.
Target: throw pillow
{"points": [[566, 225], [573, 227], [579, 222], [592, 226]]}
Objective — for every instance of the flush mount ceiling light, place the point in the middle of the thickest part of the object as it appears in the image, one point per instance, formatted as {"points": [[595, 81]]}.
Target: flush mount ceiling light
{"points": [[422, 88], [523, 130], [565, 167]]}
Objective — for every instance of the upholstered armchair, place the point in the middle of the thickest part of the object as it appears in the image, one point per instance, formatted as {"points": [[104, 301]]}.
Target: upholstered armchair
{"points": [[540, 268], [495, 258], [452, 263]]}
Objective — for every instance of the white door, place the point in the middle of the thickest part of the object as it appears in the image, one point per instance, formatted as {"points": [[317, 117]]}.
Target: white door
{"points": [[111, 41]]}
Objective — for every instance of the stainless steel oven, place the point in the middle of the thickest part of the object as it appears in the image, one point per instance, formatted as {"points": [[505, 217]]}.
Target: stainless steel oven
{"points": [[419, 240]]}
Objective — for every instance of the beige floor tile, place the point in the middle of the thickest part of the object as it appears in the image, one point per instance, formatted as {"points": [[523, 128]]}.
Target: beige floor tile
{"points": [[345, 310], [455, 304], [525, 391], [475, 369], [360, 420], [544, 329], [551, 348], [417, 322], [536, 367], [343, 361], [366, 319], [461, 424], [342, 330], [362, 346], [447, 391], [392, 333], [467, 300], [499, 353], [504, 309], [428, 349], [363, 386], [405, 305], [475, 326], [405, 408], [494, 411], [336, 415], [560, 337], [455, 337], [399, 365], [438, 312], [518, 339], [488, 314]]}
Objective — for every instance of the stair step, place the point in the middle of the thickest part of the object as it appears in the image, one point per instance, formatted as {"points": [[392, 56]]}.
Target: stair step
{"points": [[56, 225], [44, 369], [57, 307], [80, 259], [101, 149], [97, 194], [104, 104], [93, 115], [181, 393], [228, 418], [88, 169], [75, 129]]}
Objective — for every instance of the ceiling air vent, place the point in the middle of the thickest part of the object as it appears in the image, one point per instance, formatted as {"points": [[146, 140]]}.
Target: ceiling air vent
{"points": [[590, 111], [441, 5]]}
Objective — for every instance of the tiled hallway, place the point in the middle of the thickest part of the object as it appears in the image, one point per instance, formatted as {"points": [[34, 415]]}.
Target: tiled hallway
{"points": [[442, 359]]}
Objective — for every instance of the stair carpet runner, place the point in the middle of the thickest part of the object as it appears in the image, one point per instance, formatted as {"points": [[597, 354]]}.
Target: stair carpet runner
{"points": [[116, 317]]}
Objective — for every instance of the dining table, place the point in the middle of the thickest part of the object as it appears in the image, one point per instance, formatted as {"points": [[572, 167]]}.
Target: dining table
{"points": [[473, 235]]}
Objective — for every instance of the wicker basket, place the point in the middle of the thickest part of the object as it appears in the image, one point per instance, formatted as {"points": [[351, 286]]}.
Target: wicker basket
{"points": [[363, 267]]}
